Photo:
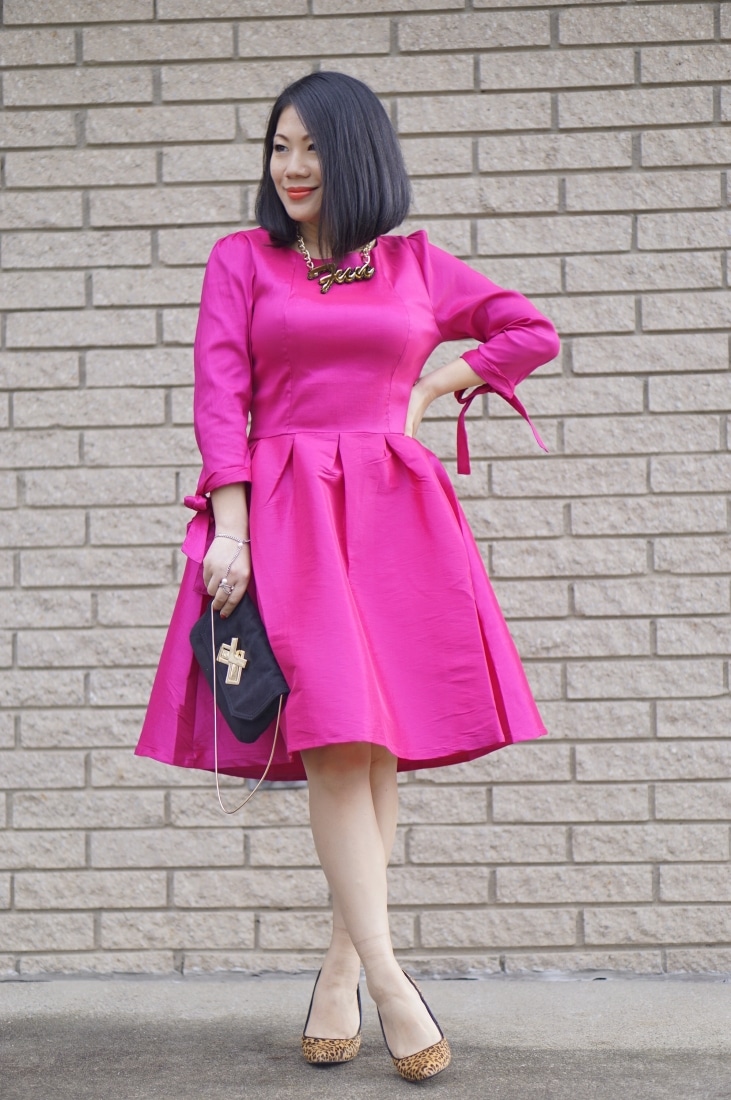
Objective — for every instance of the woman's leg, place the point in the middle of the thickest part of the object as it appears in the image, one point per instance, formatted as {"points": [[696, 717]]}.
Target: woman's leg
{"points": [[334, 1013], [351, 850]]}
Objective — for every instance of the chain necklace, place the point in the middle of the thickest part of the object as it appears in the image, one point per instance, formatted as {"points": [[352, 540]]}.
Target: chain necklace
{"points": [[327, 274]]}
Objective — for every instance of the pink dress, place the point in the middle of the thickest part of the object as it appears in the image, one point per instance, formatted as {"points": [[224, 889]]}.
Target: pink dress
{"points": [[367, 576]]}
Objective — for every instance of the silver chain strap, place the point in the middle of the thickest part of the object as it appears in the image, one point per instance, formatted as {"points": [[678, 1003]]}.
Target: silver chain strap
{"points": [[215, 735]]}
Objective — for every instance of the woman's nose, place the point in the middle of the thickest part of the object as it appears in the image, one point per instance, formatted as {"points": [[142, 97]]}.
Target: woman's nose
{"points": [[297, 166]]}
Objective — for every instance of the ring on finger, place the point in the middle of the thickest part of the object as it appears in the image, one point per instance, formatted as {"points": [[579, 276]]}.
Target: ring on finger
{"points": [[228, 588]]}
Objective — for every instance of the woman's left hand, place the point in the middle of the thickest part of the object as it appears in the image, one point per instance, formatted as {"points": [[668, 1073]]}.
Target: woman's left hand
{"points": [[223, 563], [419, 401]]}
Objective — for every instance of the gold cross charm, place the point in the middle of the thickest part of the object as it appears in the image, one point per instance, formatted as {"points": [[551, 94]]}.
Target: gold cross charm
{"points": [[235, 658]]}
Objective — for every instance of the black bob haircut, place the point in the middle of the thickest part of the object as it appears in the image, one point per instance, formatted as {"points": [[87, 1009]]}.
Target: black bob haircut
{"points": [[365, 188]]}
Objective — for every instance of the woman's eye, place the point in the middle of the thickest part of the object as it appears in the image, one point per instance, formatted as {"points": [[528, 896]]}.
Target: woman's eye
{"points": [[280, 148]]}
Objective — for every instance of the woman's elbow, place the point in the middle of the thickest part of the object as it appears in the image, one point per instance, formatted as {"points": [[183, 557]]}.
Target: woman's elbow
{"points": [[547, 340]]}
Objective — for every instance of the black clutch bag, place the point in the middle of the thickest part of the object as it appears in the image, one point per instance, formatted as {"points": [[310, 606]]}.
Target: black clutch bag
{"points": [[237, 660]]}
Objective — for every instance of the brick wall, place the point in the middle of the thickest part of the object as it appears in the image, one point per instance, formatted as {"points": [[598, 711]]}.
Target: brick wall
{"points": [[578, 151]]}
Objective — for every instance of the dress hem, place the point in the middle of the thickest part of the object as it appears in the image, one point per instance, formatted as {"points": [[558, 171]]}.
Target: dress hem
{"points": [[282, 772]]}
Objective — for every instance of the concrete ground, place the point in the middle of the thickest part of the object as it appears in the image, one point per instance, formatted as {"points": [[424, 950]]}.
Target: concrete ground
{"points": [[235, 1037]]}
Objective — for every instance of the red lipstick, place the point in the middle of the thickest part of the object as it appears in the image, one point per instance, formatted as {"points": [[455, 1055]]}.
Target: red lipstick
{"points": [[299, 192]]}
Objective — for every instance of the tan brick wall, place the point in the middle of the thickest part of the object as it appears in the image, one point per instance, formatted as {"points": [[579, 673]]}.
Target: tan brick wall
{"points": [[577, 150]]}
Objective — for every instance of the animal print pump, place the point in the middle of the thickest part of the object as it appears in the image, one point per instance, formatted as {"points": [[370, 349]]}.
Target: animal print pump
{"points": [[330, 1052]]}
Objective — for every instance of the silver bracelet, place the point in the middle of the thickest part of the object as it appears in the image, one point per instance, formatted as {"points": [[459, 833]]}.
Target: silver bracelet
{"points": [[228, 588], [234, 538]]}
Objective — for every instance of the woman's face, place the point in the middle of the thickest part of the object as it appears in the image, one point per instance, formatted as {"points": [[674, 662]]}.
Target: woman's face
{"points": [[295, 169]]}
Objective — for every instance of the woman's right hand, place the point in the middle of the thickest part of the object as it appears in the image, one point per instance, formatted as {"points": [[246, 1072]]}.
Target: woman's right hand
{"points": [[420, 399], [215, 566]]}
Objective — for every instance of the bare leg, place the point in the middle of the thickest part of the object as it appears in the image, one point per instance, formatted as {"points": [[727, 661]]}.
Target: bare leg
{"points": [[351, 850], [334, 1012]]}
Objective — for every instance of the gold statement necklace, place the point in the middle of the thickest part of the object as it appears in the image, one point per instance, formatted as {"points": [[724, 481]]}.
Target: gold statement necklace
{"points": [[327, 274]]}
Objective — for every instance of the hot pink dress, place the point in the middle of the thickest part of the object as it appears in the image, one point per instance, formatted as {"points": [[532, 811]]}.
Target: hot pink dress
{"points": [[367, 576]]}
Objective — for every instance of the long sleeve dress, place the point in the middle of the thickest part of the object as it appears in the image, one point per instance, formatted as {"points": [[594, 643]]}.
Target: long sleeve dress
{"points": [[366, 574]]}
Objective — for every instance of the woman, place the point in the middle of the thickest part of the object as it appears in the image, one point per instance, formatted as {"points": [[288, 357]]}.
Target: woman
{"points": [[369, 582]]}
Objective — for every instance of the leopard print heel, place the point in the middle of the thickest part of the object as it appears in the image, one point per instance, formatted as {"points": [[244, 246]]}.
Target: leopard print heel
{"points": [[330, 1052], [424, 1063]]}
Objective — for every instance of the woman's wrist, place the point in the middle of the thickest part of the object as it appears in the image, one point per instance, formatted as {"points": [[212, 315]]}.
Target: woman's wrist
{"points": [[240, 539], [457, 375], [230, 510]]}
